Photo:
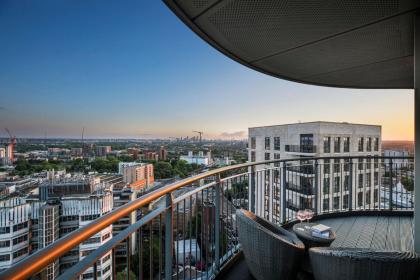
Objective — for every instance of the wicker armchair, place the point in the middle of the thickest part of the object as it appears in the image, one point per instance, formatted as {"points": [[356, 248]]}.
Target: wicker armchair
{"points": [[270, 251], [355, 263]]}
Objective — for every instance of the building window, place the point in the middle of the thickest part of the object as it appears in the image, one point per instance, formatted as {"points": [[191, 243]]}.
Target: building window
{"points": [[277, 157], [327, 144], [361, 165], [360, 181], [375, 163], [92, 240], [346, 165], [277, 143], [326, 166], [307, 143], [368, 164], [375, 178], [4, 230], [253, 156], [337, 144], [346, 182], [375, 195], [359, 199], [267, 143], [90, 217], [345, 201], [336, 184], [20, 226], [346, 144], [368, 197], [326, 187], [326, 204], [360, 144], [4, 244], [4, 258], [369, 144], [20, 239], [267, 156], [253, 143], [368, 180], [20, 252], [376, 144], [336, 202], [336, 165], [106, 236]]}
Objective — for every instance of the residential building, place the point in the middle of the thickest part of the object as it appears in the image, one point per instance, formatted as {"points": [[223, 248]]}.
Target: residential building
{"points": [[138, 175], [102, 151], [396, 161], [148, 155], [316, 139], [48, 232], [199, 158], [163, 153], [14, 232], [76, 152]]}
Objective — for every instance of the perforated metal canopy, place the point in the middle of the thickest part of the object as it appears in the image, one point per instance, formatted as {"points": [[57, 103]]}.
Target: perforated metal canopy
{"points": [[342, 43]]}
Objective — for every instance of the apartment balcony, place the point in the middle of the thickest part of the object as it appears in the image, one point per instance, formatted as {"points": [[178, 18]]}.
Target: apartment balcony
{"points": [[172, 242], [350, 44], [301, 150]]}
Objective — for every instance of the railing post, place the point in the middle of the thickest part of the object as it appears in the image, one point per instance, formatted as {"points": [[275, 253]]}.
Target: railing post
{"points": [[283, 194], [316, 186], [128, 257], [390, 184], [217, 222], [350, 186], [168, 237], [252, 191], [95, 270]]}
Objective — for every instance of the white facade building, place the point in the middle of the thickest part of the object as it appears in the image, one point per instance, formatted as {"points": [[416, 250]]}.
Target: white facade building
{"points": [[315, 139], [199, 158], [14, 231]]}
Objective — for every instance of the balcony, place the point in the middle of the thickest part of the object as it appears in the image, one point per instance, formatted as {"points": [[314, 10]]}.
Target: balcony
{"points": [[193, 234], [302, 150]]}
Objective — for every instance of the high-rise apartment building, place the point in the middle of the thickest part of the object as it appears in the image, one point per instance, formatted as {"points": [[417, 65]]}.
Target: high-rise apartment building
{"points": [[48, 232], [163, 153], [102, 151], [316, 139], [14, 231], [63, 204]]}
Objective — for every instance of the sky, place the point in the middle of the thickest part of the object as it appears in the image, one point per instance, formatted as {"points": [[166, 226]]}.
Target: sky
{"points": [[133, 69]]}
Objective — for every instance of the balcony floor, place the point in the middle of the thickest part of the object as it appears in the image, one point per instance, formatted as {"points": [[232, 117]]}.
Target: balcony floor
{"points": [[375, 231]]}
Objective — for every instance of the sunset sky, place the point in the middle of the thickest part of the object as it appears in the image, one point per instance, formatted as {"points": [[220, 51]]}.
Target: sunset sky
{"points": [[132, 69]]}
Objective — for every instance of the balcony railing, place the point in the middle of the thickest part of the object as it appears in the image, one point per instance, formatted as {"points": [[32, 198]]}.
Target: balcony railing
{"points": [[310, 149], [191, 229]]}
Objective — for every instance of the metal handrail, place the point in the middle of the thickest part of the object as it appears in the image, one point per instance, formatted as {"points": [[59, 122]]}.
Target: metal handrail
{"points": [[42, 258]]}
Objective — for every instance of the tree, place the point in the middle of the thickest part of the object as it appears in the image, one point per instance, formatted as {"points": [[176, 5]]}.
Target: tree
{"points": [[163, 170], [122, 275], [407, 183]]}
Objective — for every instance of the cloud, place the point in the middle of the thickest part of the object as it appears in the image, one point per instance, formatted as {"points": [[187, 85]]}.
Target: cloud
{"points": [[234, 135]]}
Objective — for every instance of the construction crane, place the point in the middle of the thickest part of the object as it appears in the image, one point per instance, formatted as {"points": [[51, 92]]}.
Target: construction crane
{"points": [[12, 143], [200, 133]]}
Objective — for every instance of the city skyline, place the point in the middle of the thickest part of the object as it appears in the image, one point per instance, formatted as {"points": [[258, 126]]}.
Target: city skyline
{"points": [[136, 71]]}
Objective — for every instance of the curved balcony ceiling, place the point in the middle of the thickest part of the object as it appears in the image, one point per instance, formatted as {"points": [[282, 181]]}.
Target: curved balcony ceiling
{"points": [[347, 43]]}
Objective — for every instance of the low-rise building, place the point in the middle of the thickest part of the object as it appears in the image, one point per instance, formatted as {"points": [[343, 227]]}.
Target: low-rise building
{"points": [[199, 158]]}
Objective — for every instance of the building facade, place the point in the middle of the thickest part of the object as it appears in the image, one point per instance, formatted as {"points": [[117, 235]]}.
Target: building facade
{"points": [[139, 176], [301, 141], [198, 158]]}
